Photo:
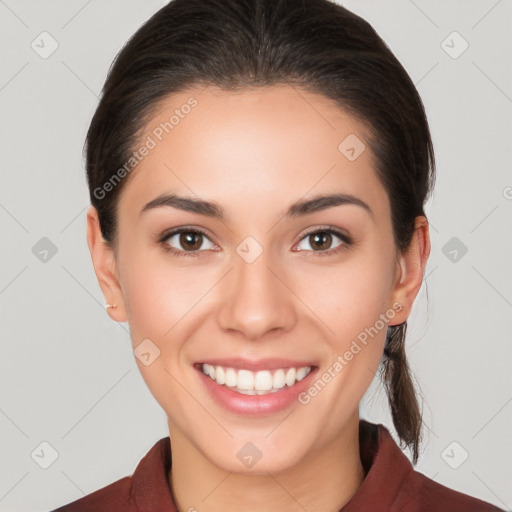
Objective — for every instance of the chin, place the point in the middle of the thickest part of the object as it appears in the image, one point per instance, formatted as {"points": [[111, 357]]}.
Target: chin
{"points": [[256, 454], [255, 463]]}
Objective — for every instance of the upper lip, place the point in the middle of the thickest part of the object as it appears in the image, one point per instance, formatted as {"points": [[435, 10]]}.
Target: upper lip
{"points": [[273, 363]]}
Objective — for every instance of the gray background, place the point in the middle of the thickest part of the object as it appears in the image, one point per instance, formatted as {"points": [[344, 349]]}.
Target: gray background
{"points": [[68, 375]]}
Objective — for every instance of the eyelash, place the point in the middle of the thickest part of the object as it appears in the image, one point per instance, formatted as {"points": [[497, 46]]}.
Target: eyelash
{"points": [[347, 241]]}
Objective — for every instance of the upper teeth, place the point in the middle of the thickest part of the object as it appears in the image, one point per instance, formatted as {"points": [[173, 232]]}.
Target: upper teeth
{"points": [[253, 383]]}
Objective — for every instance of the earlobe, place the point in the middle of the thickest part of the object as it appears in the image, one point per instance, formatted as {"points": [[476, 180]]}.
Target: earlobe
{"points": [[105, 267], [411, 268]]}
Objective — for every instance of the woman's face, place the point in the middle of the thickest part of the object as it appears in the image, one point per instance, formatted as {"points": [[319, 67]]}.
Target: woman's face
{"points": [[258, 291]]}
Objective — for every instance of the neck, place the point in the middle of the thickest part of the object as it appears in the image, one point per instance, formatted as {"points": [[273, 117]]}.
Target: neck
{"points": [[323, 482]]}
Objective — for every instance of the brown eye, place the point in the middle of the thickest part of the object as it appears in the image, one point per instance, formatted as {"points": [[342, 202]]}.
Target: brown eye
{"points": [[321, 241], [182, 241], [190, 240]]}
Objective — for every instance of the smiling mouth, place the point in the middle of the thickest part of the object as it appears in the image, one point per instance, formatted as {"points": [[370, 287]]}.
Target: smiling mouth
{"points": [[262, 382]]}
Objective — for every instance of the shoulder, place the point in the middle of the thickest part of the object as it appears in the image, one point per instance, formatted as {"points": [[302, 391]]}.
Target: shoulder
{"points": [[424, 494], [146, 488], [392, 483], [115, 496]]}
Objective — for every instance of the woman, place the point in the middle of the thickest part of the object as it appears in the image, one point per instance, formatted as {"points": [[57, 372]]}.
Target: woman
{"points": [[258, 171]]}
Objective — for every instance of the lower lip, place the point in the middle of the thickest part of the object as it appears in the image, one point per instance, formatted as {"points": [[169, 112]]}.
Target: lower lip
{"points": [[256, 405]]}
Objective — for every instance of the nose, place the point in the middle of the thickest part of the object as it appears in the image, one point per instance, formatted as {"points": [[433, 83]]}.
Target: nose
{"points": [[256, 299]]}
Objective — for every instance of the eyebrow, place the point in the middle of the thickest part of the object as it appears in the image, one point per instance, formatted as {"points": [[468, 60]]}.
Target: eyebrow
{"points": [[214, 210]]}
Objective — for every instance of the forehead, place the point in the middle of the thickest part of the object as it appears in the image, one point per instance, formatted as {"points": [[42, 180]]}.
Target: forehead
{"points": [[272, 144]]}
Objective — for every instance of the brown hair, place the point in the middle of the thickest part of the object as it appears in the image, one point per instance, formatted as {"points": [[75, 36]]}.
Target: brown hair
{"points": [[317, 45]]}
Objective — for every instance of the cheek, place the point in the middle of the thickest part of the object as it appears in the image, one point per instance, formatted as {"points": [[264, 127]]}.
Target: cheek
{"points": [[160, 299], [159, 294], [348, 297], [353, 301]]}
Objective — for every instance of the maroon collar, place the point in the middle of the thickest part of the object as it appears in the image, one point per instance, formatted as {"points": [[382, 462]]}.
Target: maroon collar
{"points": [[386, 469], [385, 465], [150, 488]]}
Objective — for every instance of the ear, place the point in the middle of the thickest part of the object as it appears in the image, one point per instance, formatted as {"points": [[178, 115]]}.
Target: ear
{"points": [[410, 269], [105, 267]]}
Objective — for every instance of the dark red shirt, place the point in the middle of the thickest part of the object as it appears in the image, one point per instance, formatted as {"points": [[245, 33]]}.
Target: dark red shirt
{"points": [[391, 484]]}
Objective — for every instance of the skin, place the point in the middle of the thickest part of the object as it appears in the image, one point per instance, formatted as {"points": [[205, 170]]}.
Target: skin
{"points": [[255, 152]]}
